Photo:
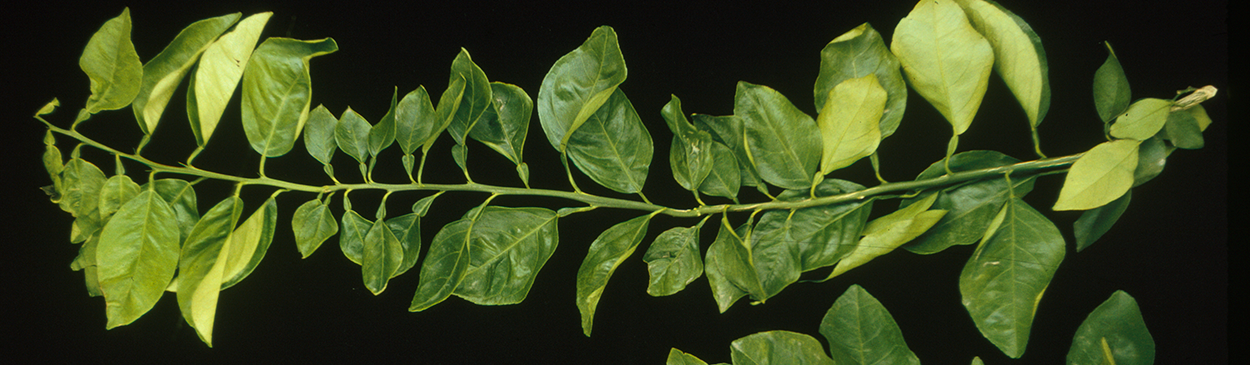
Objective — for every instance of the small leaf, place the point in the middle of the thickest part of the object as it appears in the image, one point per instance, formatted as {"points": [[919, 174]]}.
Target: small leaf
{"points": [[136, 257], [1111, 90], [946, 61], [445, 113], [1100, 176], [1152, 156], [778, 347], [117, 190], [415, 120], [673, 260], [82, 182], [313, 224], [690, 155], [780, 140], [578, 84], [613, 146], [112, 65], [508, 247], [277, 92], [861, 331], [723, 179], [202, 264], [1018, 55], [1096, 222], [849, 122], [319, 135], [383, 134], [1117, 325], [606, 253], [352, 135], [352, 239], [423, 205], [382, 257], [477, 102], [858, 53], [1142, 120], [163, 73], [86, 262], [218, 73]]}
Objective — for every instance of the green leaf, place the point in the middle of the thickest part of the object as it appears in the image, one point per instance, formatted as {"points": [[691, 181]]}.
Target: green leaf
{"points": [[778, 347], [352, 135], [117, 190], [728, 266], [277, 92], [1096, 222], [723, 179], [613, 146], [824, 234], [886, 233], [352, 239], [1003, 281], [448, 104], [946, 61], [86, 262], [181, 197], [1152, 156], [728, 131], [249, 243], [217, 75], [606, 253], [313, 224], [971, 206], [507, 122], [477, 102], [415, 120], [508, 247], [861, 331], [202, 265], [857, 53], [407, 229], [1117, 324], [1018, 55], [849, 122], [1184, 129], [1100, 176], [82, 182], [676, 357], [53, 163], [690, 154], [578, 84], [1111, 90], [445, 264], [673, 260], [320, 134], [382, 257], [112, 65], [1142, 120], [976, 360], [136, 257], [782, 141], [381, 136], [163, 73]]}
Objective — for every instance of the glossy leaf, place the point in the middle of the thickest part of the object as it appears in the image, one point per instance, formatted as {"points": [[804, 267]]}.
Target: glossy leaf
{"points": [[504, 127], [407, 229], [112, 65], [218, 73], [117, 190], [313, 224], [1152, 156], [578, 84], [946, 61], [1116, 324], [676, 357], [690, 155], [508, 247], [824, 234], [782, 141], [861, 331], [1003, 281], [1111, 90], [1018, 55], [606, 253], [728, 267], [202, 265], [1096, 222], [477, 102], [1100, 176], [613, 146], [724, 178], [415, 120], [352, 135], [163, 73], [249, 243], [381, 136], [277, 92], [970, 207], [857, 53], [1183, 128], [1142, 120], [850, 122], [778, 347], [320, 134], [888, 232], [382, 257], [673, 260], [181, 197], [352, 238], [445, 264], [445, 112], [136, 257], [728, 131]]}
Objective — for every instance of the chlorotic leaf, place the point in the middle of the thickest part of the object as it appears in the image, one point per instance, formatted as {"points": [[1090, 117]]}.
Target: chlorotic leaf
{"points": [[117, 190], [1018, 55], [202, 264], [782, 141], [861, 331], [606, 253], [850, 122], [888, 232], [181, 197], [163, 73], [778, 347], [136, 257], [249, 243], [578, 84], [320, 134], [218, 73], [946, 61], [1116, 325], [112, 65], [277, 92], [1143, 119], [858, 53], [1100, 176]]}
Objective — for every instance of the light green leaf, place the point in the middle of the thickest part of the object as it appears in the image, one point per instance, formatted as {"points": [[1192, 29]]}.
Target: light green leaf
{"points": [[352, 239], [1096, 222], [48, 109], [477, 102], [407, 229], [857, 53], [320, 134], [112, 65], [448, 104], [849, 122], [506, 123], [578, 84], [778, 348], [613, 146], [1003, 281], [673, 260], [445, 264], [1116, 324], [886, 233], [1100, 176], [728, 266], [277, 92], [946, 60], [1142, 120], [970, 207], [181, 197], [53, 163], [723, 179], [415, 120], [1111, 90], [82, 182], [383, 134], [86, 262], [313, 224], [676, 357], [218, 73], [824, 234], [1018, 55], [861, 331], [163, 73], [117, 190], [606, 253], [202, 265], [382, 257], [352, 135], [728, 131], [781, 141], [249, 243], [690, 155], [976, 360], [508, 247], [136, 257]]}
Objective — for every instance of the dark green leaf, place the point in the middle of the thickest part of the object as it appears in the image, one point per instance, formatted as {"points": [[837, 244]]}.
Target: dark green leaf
{"points": [[508, 247], [578, 84], [445, 112], [382, 257], [1116, 324], [112, 65], [319, 135], [1111, 90], [825, 234], [383, 134], [723, 179], [1152, 155], [778, 347], [507, 122], [163, 73], [970, 207], [313, 224], [202, 264], [1183, 129], [136, 257], [728, 131], [946, 61], [673, 260], [1095, 222], [217, 75], [445, 264], [613, 146], [782, 141], [477, 102], [858, 53], [352, 239], [728, 266], [407, 229], [277, 92], [861, 331], [606, 253], [352, 135], [415, 120], [690, 154]]}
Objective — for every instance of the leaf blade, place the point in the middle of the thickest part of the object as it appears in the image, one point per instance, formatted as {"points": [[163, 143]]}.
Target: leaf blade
{"points": [[946, 61]]}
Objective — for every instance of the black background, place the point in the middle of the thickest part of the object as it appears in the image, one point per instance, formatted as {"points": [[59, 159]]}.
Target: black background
{"points": [[1169, 250]]}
